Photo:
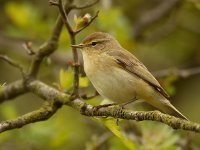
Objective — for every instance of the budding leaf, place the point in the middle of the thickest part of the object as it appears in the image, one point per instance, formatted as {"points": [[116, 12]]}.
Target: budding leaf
{"points": [[80, 22]]}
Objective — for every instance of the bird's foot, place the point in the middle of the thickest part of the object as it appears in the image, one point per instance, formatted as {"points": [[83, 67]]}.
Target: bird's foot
{"points": [[86, 97], [121, 108], [103, 106], [74, 96], [96, 108]]}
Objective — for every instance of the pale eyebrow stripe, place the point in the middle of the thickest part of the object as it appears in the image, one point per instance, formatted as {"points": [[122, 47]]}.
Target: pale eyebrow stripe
{"points": [[103, 40], [98, 41]]}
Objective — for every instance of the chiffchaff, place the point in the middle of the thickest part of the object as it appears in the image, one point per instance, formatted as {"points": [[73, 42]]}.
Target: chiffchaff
{"points": [[118, 75]]}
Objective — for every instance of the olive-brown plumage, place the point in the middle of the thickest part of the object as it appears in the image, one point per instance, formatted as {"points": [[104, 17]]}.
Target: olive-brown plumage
{"points": [[118, 75]]}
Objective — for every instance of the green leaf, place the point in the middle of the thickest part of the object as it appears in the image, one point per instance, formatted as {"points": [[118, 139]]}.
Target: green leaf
{"points": [[110, 123], [66, 78], [84, 82]]}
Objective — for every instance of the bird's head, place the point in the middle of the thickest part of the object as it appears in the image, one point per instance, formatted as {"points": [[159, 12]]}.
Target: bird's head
{"points": [[98, 42]]}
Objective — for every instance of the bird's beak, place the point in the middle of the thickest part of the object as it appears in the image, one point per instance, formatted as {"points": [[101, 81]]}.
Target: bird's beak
{"points": [[78, 45]]}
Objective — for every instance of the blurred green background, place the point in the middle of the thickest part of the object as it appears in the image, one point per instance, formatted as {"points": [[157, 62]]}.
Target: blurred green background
{"points": [[162, 34]]}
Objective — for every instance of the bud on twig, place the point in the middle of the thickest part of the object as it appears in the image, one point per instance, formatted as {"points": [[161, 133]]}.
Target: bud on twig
{"points": [[80, 22]]}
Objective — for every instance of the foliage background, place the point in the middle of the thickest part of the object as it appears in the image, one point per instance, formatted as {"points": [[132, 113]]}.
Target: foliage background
{"points": [[171, 42]]}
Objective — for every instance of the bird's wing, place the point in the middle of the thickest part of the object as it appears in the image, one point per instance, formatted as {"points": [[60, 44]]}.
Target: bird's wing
{"points": [[131, 64]]}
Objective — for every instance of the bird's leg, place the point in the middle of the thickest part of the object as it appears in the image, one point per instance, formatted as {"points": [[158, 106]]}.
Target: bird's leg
{"points": [[95, 108], [121, 107], [126, 103], [86, 97], [104, 105]]}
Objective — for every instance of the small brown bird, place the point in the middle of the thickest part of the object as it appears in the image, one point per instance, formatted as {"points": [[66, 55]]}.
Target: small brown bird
{"points": [[118, 75]]}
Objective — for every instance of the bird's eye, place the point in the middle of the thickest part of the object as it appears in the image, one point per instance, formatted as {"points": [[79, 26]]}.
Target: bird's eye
{"points": [[94, 43]]}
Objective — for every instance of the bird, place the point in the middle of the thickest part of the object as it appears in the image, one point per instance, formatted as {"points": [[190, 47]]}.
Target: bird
{"points": [[118, 75]]}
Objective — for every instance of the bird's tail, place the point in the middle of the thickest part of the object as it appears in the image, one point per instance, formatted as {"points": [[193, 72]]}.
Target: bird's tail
{"points": [[167, 107]]}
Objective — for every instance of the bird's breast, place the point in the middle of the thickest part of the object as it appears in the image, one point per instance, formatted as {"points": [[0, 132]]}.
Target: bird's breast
{"points": [[111, 81]]}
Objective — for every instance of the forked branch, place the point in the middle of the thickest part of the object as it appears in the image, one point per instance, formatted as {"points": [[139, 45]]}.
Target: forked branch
{"points": [[73, 34]]}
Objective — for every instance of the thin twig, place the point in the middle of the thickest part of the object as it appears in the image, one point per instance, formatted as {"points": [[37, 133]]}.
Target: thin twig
{"points": [[73, 34], [48, 47], [147, 18], [101, 140], [169, 26], [13, 63], [92, 19], [85, 6], [182, 73], [72, 41], [65, 17], [28, 47]]}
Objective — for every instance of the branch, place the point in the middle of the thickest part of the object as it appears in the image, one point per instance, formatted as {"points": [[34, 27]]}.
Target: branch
{"points": [[13, 63], [12, 90], [50, 46], [74, 51], [55, 99], [182, 73], [58, 98], [41, 114], [72, 35], [17, 88], [171, 121], [63, 15], [163, 9], [85, 6], [47, 93], [168, 27], [99, 141], [42, 90]]}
